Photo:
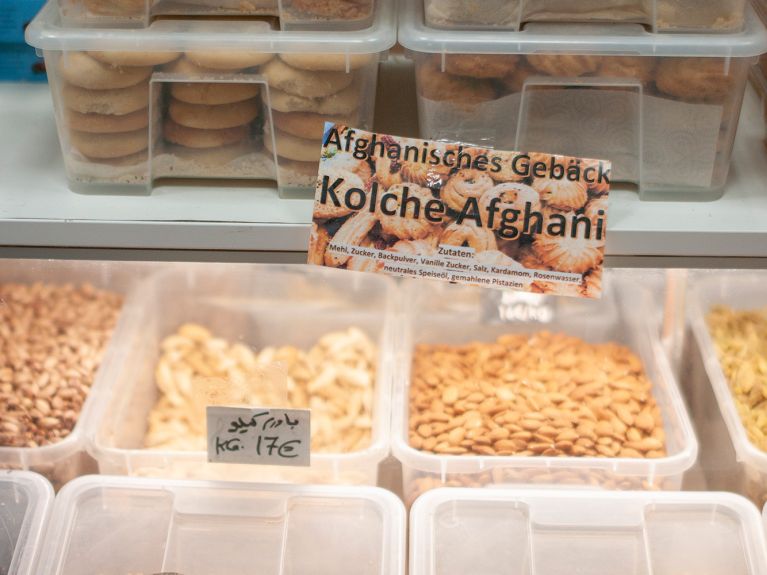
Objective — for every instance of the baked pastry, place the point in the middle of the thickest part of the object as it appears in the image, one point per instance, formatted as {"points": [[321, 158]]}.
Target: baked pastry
{"points": [[318, 242], [319, 61], [202, 138], [293, 148], [594, 206], [428, 176], [228, 59], [119, 8], [352, 232], [81, 70], [512, 195], [592, 283], [408, 227], [344, 161], [568, 254], [387, 172], [514, 83], [641, 68], [561, 194], [306, 124], [305, 83], [528, 259], [344, 102], [109, 146], [463, 185], [695, 79], [107, 123], [468, 234], [564, 65], [490, 13], [117, 102], [127, 58], [206, 117], [186, 67], [434, 84], [478, 65], [213, 94], [329, 210]]}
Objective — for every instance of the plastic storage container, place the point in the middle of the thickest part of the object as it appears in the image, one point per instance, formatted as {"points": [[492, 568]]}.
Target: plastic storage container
{"points": [[663, 108], [257, 306], [456, 531], [25, 499], [66, 459], [434, 318], [759, 80], [746, 470], [205, 99], [658, 15], [195, 528]]}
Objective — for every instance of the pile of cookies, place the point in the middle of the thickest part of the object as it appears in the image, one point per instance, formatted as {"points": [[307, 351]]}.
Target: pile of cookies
{"points": [[206, 127]]}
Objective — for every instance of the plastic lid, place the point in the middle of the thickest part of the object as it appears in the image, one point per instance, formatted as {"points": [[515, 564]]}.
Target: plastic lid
{"points": [[25, 499], [47, 32], [553, 532], [617, 39], [199, 528]]}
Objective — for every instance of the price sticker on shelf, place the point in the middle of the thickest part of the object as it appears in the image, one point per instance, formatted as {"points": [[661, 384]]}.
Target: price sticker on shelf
{"points": [[259, 436]]}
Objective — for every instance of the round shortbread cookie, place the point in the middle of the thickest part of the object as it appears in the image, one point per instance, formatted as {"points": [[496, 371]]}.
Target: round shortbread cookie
{"points": [[108, 123], [327, 62], [214, 117], [336, 9], [304, 83], [126, 58], [344, 102], [213, 94], [228, 59], [81, 70], [108, 146], [292, 148], [188, 68], [306, 124], [202, 139], [117, 102]]}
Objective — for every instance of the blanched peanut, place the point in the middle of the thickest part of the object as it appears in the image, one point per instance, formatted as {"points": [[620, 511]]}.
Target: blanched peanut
{"points": [[335, 378], [541, 394]]}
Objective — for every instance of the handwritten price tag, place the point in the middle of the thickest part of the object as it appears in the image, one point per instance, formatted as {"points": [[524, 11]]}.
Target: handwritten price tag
{"points": [[262, 436]]}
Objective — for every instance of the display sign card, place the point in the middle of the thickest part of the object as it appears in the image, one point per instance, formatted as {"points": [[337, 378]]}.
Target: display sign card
{"points": [[263, 436], [531, 222]]}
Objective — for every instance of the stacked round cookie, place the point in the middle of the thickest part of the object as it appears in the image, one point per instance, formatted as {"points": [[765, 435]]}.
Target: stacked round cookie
{"points": [[209, 115], [305, 91], [106, 103]]}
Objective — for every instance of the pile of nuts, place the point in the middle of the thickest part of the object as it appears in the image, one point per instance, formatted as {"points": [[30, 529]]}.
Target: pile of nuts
{"points": [[540, 394], [335, 379], [741, 342], [52, 339]]}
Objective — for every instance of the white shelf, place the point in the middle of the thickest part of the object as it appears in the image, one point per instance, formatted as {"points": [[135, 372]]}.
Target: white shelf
{"points": [[37, 209]]}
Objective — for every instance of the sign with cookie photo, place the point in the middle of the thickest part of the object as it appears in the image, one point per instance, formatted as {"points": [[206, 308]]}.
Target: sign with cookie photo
{"points": [[532, 222]]}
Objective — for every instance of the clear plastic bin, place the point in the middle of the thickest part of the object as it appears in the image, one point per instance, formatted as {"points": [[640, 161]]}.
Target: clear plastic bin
{"points": [[66, 459], [619, 317], [457, 531], [744, 466], [197, 528], [663, 108], [205, 99], [759, 80], [25, 499], [258, 306], [657, 15]]}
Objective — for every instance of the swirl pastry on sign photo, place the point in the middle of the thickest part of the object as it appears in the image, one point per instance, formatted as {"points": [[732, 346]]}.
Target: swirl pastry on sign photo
{"points": [[561, 194], [329, 210], [352, 232], [464, 185], [567, 254], [468, 234], [512, 196], [408, 227]]}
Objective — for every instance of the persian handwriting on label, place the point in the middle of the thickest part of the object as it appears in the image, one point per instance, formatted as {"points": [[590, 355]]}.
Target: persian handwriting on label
{"points": [[262, 436]]}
